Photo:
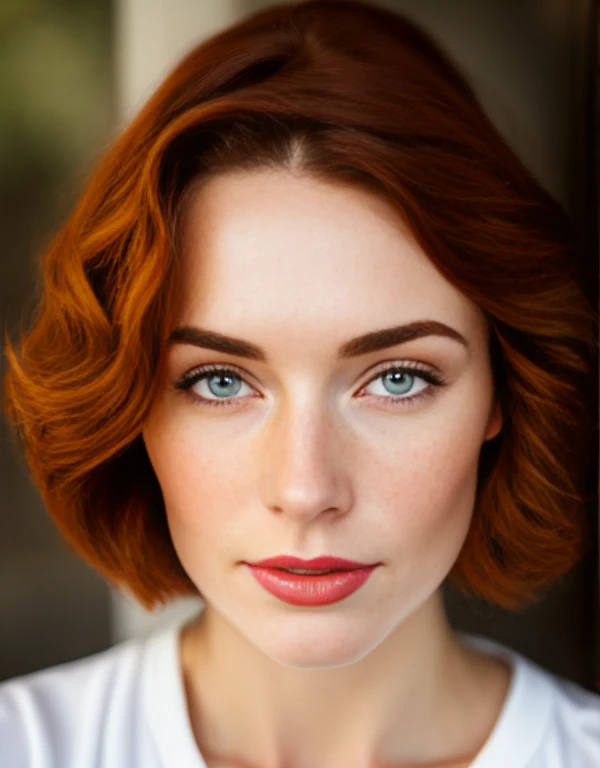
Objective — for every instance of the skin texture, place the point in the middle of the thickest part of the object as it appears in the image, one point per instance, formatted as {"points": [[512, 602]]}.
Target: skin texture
{"points": [[302, 464]]}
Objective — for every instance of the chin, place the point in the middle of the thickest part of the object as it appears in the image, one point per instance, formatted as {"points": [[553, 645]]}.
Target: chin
{"points": [[311, 645]]}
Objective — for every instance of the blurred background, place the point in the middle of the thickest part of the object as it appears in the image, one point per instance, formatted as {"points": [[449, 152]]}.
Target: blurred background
{"points": [[72, 74]]}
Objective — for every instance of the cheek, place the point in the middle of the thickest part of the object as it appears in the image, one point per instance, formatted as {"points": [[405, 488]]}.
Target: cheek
{"points": [[426, 493], [199, 475]]}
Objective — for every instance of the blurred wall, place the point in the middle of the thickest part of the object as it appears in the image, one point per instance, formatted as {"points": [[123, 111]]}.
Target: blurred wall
{"points": [[57, 110]]}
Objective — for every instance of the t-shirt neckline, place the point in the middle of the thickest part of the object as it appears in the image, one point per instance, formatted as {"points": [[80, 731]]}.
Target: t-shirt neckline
{"points": [[513, 740], [165, 701], [520, 726]]}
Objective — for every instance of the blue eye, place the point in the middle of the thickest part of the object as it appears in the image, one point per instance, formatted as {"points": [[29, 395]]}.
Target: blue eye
{"points": [[221, 383]]}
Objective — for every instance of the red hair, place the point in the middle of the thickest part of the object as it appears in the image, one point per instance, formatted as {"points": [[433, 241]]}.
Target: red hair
{"points": [[348, 93]]}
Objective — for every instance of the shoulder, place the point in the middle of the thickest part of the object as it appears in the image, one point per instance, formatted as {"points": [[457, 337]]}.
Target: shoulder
{"points": [[564, 716], [574, 725], [547, 721], [62, 716]]}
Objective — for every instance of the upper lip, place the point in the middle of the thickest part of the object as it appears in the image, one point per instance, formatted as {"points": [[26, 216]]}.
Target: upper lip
{"points": [[317, 563]]}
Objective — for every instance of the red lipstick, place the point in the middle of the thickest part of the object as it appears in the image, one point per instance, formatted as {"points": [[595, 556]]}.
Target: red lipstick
{"points": [[344, 578]]}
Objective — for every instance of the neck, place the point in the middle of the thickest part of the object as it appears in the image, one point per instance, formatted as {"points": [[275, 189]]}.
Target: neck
{"points": [[420, 697]]}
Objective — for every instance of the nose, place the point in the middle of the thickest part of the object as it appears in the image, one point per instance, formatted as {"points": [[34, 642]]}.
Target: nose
{"points": [[305, 468]]}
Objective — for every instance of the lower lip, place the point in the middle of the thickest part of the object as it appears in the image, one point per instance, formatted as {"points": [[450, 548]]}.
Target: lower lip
{"points": [[300, 589]]}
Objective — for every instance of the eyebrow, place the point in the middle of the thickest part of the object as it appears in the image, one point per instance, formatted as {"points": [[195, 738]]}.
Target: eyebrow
{"points": [[361, 345]]}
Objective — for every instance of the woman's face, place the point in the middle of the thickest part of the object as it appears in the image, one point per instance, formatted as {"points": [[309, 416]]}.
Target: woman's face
{"points": [[307, 457]]}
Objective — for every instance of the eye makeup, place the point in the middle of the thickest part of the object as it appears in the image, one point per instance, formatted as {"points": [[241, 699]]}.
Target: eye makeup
{"points": [[410, 369]]}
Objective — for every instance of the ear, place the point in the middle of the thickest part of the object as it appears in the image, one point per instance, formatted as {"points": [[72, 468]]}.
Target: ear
{"points": [[495, 421]]}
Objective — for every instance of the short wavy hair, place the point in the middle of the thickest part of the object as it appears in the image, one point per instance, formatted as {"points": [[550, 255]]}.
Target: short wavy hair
{"points": [[347, 93]]}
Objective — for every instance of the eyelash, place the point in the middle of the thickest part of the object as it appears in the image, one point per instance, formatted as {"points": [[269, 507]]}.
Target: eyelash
{"points": [[198, 374]]}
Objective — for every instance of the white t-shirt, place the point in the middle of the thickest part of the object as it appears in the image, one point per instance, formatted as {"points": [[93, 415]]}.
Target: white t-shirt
{"points": [[125, 708]]}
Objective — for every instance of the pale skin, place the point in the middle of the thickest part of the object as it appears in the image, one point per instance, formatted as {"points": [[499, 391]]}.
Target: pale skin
{"points": [[308, 459]]}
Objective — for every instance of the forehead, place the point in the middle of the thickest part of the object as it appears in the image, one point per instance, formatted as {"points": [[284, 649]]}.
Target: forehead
{"points": [[273, 246]]}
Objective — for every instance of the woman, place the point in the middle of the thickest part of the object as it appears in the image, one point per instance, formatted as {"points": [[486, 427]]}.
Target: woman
{"points": [[310, 306]]}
